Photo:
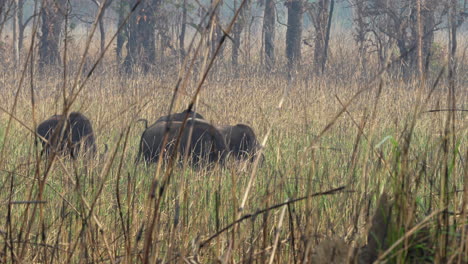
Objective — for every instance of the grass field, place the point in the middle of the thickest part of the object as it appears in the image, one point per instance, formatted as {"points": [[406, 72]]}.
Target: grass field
{"points": [[99, 211], [357, 169]]}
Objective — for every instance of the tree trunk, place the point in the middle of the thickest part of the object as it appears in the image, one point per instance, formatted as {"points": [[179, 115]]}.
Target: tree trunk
{"points": [[416, 46], [20, 28], [102, 32], [428, 20], [320, 25], [236, 35], [164, 36], [121, 36], [237, 31], [141, 52], [104, 4], [14, 38], [327, 36], [6, 7], [52, 19], [360, 34], [217, 33], [419, 39], [269, 18], [182, 30], [294, 32]]}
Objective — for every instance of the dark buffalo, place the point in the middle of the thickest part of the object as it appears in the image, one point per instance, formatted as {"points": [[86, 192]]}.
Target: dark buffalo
{"points": [[200, 140], [77, 135], [241, 141]]}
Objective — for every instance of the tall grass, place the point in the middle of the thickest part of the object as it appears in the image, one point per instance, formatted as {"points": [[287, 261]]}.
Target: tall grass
{"points": [[391, 166]]}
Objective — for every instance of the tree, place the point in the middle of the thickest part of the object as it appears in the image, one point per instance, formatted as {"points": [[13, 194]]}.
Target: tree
{"points": [[321, 14], [104, 4], [396, 22], [14, 9], [294, 32], [237, 29], [15, 27], [20, 26], [183, 28], [361, 27], [141, 44], [269, 33], [122, 9], [6, 8], [163, 29], [52, 17], [217, 33]]}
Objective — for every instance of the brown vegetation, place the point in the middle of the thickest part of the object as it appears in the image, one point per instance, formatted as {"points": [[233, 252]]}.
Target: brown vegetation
{"points": [[364, 161]]}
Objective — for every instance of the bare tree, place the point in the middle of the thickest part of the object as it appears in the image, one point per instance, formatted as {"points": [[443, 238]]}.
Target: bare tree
{"points": [[122, 9], [163, 25], [141, 44], [321, 14], [217, 32], [237, 30], [104, 4], [6, 9], [361, 28], [269, 17], [21, 25], [183, 29], [15, 39], [294, 32], [52, 16], [396, 22]]}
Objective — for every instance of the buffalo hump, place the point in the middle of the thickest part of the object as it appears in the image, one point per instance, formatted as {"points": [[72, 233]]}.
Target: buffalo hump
{"points": [[67, 136], [179, 117], [201, 141]]}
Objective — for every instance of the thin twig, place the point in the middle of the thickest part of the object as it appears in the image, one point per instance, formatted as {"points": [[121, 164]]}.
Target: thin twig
{"points": [[446, 110], [28, 202], [259, 212]]}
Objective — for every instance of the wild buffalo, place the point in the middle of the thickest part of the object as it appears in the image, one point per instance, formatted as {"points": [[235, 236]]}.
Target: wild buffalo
{"points": [[200, 141], [67, 136], [241, 141]]}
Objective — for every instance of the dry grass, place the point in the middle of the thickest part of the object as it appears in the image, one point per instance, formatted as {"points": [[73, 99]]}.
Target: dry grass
{"points": [[323, 136], [198, 203]]}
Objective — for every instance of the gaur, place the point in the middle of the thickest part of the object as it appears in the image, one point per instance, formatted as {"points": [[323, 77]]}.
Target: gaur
{"points": [[241, 141], [201, 141], [67, 136]]}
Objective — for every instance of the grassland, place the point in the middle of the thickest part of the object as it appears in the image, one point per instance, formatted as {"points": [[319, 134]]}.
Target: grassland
{"points": [[371, 136]]}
